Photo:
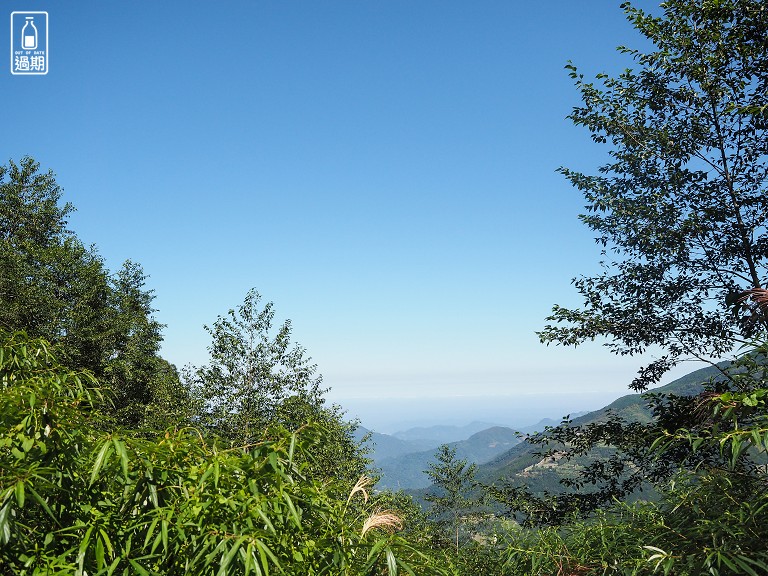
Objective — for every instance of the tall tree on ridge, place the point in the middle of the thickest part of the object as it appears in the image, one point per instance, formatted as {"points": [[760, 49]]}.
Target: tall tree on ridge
{"points": [[681, 208]]}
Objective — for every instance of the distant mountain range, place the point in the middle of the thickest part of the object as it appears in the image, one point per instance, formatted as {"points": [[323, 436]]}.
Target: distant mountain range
{"points": [[499, 451], [403, 457], [438, 435]]}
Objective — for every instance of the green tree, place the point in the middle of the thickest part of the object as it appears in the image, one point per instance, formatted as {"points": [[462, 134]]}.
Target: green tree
{"points": [[257, 378], [52, 286], [721, 508], [251, 372], [707, 518], [147, 391], [450, 496], [680, 211], [680, 208]]}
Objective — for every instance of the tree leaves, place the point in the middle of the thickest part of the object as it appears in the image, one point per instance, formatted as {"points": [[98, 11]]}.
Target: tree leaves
{"points": [[252, 372], [53, 286], [681, 205]]}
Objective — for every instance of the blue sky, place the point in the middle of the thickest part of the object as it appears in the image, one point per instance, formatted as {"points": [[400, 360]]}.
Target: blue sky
{"points": [[383, 171]]}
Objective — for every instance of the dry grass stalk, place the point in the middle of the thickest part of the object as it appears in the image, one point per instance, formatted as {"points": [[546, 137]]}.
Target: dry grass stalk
{"points": [[361, 485], [386, 520]]}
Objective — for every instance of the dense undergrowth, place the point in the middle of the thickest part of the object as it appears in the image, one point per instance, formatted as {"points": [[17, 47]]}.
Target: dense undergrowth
{"points": [[78, 500]]}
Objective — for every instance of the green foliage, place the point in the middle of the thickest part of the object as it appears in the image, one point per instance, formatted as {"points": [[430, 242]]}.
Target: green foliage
{"points": [[415, 521], [680, 212], [257, 379], [76, 500], [339, 456], [252, 373], [711, 506], [680, 208], [608, 543], [52, 286], [722, 505], [722, 519], [709, 524], [87, 483], [612, 459], [146, 388], [452, 503]]}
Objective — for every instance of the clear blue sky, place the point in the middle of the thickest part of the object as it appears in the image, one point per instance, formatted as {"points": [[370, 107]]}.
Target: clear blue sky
{"points": [[384, 171]]}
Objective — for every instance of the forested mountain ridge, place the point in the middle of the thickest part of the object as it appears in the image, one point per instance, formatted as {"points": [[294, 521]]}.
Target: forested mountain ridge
{"points": [[404, 456], [631, 407]]}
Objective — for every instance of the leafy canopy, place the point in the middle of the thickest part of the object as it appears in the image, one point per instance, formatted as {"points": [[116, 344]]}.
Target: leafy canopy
{"points": [[681, 207], [257, 378], [450, 497], [54, 287]]}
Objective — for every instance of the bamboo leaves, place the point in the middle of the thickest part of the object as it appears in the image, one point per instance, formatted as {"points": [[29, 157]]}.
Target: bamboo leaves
{"points": [[177, 504]]}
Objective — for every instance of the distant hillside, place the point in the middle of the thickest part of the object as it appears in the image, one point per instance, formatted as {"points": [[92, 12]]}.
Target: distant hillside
{"points": [[407, 471], [403, 457], [437, 435], [384, 446], [522, 462]]}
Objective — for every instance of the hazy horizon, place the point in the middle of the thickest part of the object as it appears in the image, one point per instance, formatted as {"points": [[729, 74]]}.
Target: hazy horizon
{"points": [[390, 415], [414, 400]]}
